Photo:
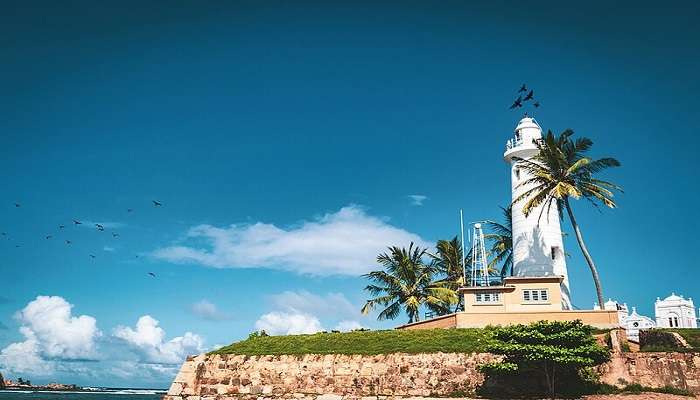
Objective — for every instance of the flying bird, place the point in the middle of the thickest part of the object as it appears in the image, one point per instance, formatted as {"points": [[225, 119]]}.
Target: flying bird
{"points": [[129, 209], [92, 256], [68, 241], [75, 221], [17, 205], [61, 226], [17, 246], [537, 104], [529, 96], [99, 227], [49, 236], [523, 88], [115, 235], [3, 233], [152, 274], [157, 203], [517, 103]]}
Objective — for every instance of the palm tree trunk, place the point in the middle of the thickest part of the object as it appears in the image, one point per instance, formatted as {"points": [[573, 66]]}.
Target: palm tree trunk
{"points": [[586, 254]]}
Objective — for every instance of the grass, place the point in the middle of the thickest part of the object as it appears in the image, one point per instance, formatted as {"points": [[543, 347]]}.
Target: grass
{"points": [[691, 335], [365, 342], [635, 388]]}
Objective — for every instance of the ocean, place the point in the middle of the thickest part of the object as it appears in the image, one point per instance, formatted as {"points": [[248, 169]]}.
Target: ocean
{"points": [[93, 394]]}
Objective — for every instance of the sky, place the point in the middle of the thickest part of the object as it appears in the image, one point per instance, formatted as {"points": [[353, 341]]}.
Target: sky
{"points": [[290, 143]]}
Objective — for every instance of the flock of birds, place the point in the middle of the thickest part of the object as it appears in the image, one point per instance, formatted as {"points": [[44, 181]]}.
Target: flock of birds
{"points": [[98, 227], [530, 95]]}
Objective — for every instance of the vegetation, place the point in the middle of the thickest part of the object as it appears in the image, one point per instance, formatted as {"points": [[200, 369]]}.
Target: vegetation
{"points": [[502, 242], [367, 342], [449, 264], [407, 283], [653, 340], [561, 171], [544, 357], [635, 388]]}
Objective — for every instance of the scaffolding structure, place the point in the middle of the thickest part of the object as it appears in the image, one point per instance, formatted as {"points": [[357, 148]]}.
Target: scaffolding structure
{"points": [[479, 268]]}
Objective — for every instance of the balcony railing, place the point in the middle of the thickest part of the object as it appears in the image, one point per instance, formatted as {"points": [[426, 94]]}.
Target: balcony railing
{"points": [[515, 142]]}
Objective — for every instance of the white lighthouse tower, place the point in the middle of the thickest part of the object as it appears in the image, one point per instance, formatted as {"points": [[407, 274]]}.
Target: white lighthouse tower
{"points": [[538, 249]]}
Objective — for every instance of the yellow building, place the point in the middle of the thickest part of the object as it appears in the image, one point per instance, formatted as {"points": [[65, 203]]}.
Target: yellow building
{"points": [[519, 300]]}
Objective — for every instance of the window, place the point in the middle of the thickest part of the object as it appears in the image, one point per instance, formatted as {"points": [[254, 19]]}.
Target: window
{"points": [[554, 251], [675, 320], [535, 295], [670, 322], [487, 297], [517, 173]]}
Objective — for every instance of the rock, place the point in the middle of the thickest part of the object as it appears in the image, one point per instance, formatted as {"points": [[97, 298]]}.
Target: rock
{"points": [[329, 397]]}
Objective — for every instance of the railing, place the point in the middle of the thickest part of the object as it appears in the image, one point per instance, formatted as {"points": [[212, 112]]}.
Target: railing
{"points": [[515, 142]]}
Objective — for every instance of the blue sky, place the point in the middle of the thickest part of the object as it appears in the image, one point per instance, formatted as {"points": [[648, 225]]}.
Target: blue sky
{"points": [[263, 126]]}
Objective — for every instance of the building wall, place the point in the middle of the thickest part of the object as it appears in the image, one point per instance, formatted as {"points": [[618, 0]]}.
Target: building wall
{"points": [[511, 298], [597, 318], [442, 322]]}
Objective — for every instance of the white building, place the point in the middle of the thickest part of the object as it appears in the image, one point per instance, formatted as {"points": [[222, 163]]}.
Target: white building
{"points": [[538, 249], [633, 322], [675, 312]]}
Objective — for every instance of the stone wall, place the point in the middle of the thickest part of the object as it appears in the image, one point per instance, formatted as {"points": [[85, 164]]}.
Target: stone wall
{"points": [[224, 377], [220, 376], [680, 370]]}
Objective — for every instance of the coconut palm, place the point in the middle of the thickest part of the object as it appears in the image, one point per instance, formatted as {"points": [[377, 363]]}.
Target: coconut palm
{"points": [[502, 242], [406, 283], [561, 171], [450, 265]]}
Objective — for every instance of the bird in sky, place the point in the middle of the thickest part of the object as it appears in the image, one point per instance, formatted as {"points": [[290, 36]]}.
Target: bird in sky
{"points": [[529, 96], [152, 274], [537, 104], [49, 236], [17, 205], [75, 221], [115, 235], [129, 210], [157, 203], [3, 233], [17, 246], [517, 103], [92, 256], [61, 226], [68, 241], [99, 227], [523, 88]]}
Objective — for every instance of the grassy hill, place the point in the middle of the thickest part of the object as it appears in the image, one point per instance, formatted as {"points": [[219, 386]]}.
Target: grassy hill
{"points": [[365, 342]]}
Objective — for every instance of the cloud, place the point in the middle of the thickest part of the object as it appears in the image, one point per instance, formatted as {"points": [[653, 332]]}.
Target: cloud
{"points": [[342, 243], [207, 310], [108, 248], [417, 199], [330, 304], [148, 340], [51, 334], [286, 323], [346, 326]]}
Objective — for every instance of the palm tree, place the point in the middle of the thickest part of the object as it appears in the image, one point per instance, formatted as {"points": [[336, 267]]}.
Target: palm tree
{"points": [[561, 171], [502, 242], [406, 283], [449, 262]]}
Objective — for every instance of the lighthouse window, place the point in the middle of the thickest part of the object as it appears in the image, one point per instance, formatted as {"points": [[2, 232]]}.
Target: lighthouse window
{"points": [[554, 252], [517, 173]]}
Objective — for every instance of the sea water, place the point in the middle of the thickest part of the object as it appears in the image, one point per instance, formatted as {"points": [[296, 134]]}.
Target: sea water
{"points": [[92, 394]]}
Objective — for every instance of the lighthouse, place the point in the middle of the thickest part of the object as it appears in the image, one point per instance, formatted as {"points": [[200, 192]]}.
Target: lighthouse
{"points": [[538, 248]]}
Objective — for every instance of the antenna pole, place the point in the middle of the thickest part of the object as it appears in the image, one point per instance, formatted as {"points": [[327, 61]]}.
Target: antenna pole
{"points": [[464, 267]]}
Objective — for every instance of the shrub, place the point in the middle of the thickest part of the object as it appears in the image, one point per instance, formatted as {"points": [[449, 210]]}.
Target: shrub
{"points": [[658, 340], [546, 357]]}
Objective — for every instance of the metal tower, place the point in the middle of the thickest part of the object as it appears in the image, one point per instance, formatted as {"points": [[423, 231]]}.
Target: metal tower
{"points": [[479, 274]]}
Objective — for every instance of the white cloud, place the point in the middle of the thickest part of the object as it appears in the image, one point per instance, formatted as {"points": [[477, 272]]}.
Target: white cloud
{"points": [[343, 243], [207, 310], [148, 340], [347, 325], [417, 199], [288, 323], [51, 334], [330, 304], [108, 248]]}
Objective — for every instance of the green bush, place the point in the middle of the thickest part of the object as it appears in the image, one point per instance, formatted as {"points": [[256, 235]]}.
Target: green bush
{"points": [[546, 357]]}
